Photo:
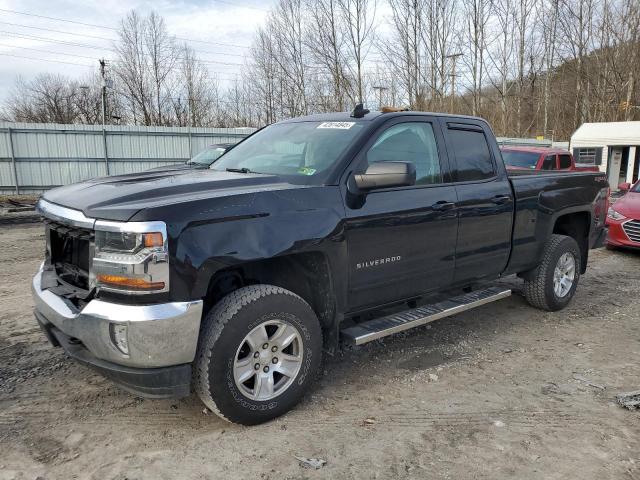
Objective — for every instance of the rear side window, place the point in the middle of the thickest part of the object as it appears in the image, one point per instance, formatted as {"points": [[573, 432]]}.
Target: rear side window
{"points": [[549, 162], [473, 159], [565, 161]]}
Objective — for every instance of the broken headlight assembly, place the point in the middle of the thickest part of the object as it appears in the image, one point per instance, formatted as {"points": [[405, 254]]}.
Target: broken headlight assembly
{"points": [[131, 257]]}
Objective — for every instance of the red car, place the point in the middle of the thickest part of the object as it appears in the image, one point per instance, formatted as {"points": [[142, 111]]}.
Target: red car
{"points": [[542, 158], [623, 218]]}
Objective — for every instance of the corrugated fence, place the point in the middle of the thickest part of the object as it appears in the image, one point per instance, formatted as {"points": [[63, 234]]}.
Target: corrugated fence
{"points": [[36, 157]]}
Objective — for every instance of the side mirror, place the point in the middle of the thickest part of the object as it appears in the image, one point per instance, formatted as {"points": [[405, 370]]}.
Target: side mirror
{"points": [[386, 175], [624, 187]]}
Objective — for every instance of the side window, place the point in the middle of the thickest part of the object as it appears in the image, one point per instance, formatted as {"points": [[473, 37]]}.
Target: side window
{"points": [[565, 162], [473, 159], [549, 162], [412, 142]]}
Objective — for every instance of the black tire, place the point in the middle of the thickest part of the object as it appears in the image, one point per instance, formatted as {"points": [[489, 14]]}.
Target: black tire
{"points": [[539, 288], [224, 330]]}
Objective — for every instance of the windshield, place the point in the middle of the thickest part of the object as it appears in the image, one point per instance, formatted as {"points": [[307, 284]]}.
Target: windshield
{"points": [[636, 188], [514, 158], [207, 157], [303, 151]]}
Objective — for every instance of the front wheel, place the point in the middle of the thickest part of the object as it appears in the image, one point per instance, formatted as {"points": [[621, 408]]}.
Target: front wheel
{"points": [[554, 281], [259, 351]]}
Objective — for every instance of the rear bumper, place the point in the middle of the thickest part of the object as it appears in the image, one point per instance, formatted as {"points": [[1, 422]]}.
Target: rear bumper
{"points": [[163, 382]]}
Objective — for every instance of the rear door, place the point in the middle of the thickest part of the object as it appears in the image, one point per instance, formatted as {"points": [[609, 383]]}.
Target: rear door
{"points": [[485, 201], [401, 241]]}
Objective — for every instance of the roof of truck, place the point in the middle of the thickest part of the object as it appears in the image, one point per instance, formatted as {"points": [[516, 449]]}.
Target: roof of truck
{"points": [[372, 115]]}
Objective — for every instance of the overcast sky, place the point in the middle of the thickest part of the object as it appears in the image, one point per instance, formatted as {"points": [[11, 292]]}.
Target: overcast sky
{"points": [[229, 24]]}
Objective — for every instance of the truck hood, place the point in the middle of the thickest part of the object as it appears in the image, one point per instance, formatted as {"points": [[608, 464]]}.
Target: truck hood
{"points": [[120, 197]]}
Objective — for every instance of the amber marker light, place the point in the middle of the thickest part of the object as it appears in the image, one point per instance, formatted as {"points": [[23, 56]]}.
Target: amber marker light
{"points": [[151, 240], [128, 282]]}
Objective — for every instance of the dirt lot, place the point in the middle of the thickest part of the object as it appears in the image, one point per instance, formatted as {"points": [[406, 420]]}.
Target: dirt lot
{"points": [[488, 394]]}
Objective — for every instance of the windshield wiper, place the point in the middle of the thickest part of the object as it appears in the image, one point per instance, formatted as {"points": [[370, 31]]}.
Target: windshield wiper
{"points": [[239, 170]]}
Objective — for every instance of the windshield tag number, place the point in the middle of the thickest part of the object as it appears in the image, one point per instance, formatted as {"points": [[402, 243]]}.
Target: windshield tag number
{"points": [[338, 125]]}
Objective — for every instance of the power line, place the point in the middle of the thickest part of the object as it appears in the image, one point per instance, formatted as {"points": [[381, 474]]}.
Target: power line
{"points": [[48, 51], [45, 60], [58, 31], [28, 36], [205, 52], [57, 19], [96, 47], [217, 74]]}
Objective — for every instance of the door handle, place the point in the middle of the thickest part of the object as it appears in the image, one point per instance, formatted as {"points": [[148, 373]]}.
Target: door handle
{"points": [[443, 205], [501, 199]]}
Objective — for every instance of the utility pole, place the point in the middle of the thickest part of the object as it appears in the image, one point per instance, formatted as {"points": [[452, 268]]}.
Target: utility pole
{"points": [[103, 66], [454, 58], [380, 89]]}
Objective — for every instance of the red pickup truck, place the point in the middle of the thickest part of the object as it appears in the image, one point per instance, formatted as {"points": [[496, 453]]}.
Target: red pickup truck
{"points": [[542, 158]]}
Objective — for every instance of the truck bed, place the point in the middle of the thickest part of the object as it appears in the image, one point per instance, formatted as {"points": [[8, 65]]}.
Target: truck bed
{"points": [[539, 195]]}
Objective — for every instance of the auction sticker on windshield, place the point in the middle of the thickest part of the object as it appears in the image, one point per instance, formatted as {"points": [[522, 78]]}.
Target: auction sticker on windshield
{"points": [[339, 125]]}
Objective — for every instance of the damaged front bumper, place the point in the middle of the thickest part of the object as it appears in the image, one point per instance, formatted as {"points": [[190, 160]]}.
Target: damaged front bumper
{"points": [[161, 338]]}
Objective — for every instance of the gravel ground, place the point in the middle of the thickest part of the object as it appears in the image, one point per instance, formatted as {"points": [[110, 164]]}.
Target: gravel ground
{"points": [[498, 392]]}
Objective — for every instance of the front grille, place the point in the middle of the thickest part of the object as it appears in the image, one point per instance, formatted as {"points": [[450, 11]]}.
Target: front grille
{"points": [[632, 229], [69, 250]]}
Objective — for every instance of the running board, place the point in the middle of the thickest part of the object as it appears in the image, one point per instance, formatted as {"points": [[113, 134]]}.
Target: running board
{"points": [[398, 322]]}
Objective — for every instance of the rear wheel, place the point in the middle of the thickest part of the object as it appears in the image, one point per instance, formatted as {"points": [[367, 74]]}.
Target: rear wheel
{"points": [[259, 351], [554, 282]]}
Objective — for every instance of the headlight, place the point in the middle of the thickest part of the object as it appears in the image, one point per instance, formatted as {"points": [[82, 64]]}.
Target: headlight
{"points": [[131, 257], [613, 215]]}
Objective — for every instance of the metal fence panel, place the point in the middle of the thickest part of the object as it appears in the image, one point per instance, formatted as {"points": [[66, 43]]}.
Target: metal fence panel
{"points": [[56, 144], [49, 173], [4, 146], [6, 175], [147, 146], [48, 155]]}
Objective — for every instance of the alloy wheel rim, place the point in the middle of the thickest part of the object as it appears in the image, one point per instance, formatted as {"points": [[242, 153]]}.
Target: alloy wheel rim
{"points": [[564, 275], [268, 360]]}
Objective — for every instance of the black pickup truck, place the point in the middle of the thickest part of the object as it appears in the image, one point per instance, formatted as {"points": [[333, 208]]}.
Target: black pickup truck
{"points": [[233, 281]]}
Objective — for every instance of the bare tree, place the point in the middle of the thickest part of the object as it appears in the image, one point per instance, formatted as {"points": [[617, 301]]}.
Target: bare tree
{"points": [[477, 15], [441, 18], [161, 58], [131, 70], [406, 53], [359, 22], [196, 103], [549, 35], [576, 21], [54, 99], [147, 58], [524, 14], [325, 41]]}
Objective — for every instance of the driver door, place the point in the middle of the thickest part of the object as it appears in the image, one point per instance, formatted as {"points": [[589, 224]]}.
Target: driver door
{"points": [[401, 241]]}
